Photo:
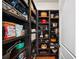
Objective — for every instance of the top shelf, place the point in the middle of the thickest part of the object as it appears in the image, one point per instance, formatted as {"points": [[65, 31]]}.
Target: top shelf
{"points": [[43, 17], [13, 12], [33, 8]]}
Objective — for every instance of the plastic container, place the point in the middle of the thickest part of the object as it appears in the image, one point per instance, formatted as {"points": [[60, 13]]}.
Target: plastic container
{"points": [[43, 14], [52, 15], [19, 29], [9, 29], [19, 46], [53, 40]]}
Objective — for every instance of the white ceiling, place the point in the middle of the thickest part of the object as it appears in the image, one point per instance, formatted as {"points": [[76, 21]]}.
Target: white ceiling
{"points": [[46, 4], [45, 0]]}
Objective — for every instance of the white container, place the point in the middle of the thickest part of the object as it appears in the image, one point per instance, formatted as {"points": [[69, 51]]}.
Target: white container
{"points": [[52, 15], [33, 35], [52, 47], [19, 29], [54, 50], [26, 16], [54, 24]]}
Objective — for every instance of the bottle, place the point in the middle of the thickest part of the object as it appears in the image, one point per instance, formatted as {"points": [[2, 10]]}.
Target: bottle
{"points": [[41, 36], [54, 24], [56, 31], [46, 28], [46, 35]]}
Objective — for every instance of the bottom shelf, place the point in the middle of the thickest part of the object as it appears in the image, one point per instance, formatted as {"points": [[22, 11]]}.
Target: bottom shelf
{"points": [[16, 53], [46, 57], [47, 54]]}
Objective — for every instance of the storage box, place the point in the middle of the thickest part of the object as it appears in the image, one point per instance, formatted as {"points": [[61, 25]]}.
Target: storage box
{"points": [[20, 45], [19, 29], [9, 29], [54, 24], [52, 15], [53, 39], [43, 14]]}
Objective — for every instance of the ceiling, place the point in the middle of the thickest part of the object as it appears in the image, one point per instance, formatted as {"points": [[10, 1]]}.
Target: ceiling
{"points": [[46, 4], [45, 0]]}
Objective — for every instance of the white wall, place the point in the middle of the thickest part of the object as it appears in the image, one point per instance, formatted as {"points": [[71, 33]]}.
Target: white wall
{"points": [[67, 27], [47, 5]]}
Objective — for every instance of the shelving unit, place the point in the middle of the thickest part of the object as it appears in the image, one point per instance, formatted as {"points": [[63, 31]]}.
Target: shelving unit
{"points": [[54, 32], [28, 32], [50, 45], [13, 15], [33, 31], [43, 22]]}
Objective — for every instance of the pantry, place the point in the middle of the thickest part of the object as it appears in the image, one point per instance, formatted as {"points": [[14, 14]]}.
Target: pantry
{"points": [[29, 32]]}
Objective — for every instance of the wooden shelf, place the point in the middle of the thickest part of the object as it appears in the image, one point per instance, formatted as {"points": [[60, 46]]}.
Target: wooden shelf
{"points": [[18, 14], [22, 18], [24, 2], [47, 48], [33, 20], [12, 39], [33, 9], [33, 12], [44, 38], [54, 18], [43, 49], [10, 12], [50, 54], [33, 32], [43, 17], [56, 47], [43, 24], [54, 27], [33, 4], [44, 43], [18, 53]]}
